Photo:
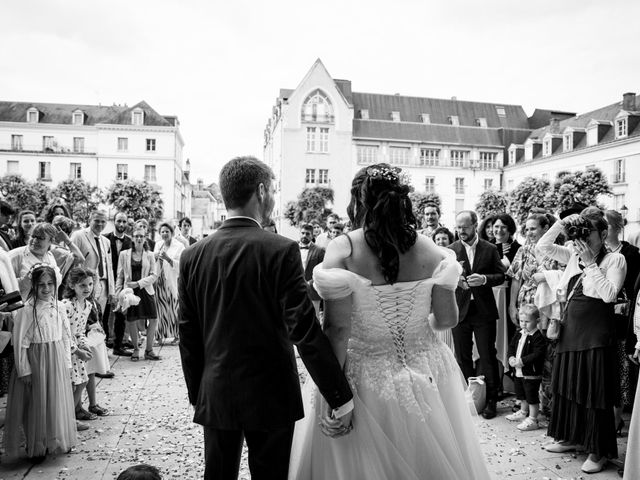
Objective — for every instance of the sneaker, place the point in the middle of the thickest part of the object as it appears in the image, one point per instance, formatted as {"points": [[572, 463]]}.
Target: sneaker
{"points": [[519, 416], [98, 410], [528, 424], [82, 414]]}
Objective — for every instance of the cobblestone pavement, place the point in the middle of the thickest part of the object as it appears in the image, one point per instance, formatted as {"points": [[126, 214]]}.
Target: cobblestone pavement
{"points": [[150, 422]]}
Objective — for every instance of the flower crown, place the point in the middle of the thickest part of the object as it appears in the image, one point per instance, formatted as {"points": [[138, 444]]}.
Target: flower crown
{"points": [[390, 174], [35, 266]]}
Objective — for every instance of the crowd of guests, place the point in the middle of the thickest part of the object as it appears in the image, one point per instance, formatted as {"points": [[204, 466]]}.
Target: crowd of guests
{"points": [[571, 287], [78, 293]]}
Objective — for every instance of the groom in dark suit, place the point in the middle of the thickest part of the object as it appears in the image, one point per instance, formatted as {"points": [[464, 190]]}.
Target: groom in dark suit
{"points": [[482, 270], [243, 304], [311, 255]]}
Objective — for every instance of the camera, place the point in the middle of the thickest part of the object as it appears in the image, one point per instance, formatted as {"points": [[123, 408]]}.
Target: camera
{"points": [[580, 230], [12, 299]]}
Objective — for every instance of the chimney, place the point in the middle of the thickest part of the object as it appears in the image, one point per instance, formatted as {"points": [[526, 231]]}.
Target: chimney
{"points": [[629, 101], [200, 184], [554, 125]]}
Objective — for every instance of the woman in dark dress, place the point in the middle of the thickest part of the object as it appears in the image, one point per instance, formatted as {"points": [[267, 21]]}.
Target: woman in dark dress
{"points": [[584, 380], [137, 270]]}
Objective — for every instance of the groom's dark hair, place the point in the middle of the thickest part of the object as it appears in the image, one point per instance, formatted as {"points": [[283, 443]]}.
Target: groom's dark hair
{"points": [[239, 179]]}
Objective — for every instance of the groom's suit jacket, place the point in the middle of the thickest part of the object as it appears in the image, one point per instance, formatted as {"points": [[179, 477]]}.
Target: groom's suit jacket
{"points": [[486, 261], [243, 304]]}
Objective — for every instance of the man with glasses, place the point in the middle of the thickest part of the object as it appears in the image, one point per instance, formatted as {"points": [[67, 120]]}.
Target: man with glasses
{"points": [[481, 270], [118, 241]]}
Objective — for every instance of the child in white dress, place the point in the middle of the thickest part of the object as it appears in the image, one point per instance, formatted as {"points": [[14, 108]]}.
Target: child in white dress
{"points": [[40, 401]]}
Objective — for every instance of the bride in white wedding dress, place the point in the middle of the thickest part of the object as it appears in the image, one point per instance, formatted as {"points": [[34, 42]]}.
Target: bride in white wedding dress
{"points": [[411, 419]]}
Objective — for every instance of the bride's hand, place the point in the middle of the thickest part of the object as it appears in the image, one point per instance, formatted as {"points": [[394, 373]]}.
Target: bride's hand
{"points": [[335, 427]]}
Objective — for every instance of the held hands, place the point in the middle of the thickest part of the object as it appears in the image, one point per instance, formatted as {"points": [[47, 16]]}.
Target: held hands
{"points": [[335, 427], [462, 283], [26, 379], [84, 355], [512, 361]]}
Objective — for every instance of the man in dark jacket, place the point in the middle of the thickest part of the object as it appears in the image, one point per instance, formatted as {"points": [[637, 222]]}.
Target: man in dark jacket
{"points": [[482, 270], [243, 304]]}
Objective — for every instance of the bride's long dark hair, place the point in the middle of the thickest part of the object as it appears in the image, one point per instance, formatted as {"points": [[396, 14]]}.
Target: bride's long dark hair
{"points": [[380, 205]]}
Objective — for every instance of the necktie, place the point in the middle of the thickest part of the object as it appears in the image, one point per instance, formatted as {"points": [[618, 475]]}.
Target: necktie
{"points": [[100, 266]]}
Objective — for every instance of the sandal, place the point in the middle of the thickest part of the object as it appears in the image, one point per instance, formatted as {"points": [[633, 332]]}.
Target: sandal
{"points": [[135, 356], [98, 410], [82, 414], [149, 355]]}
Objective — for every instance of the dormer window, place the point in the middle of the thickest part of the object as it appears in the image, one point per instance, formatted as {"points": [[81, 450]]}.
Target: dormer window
{"points": [[425, 118], [481, 122], [621, 127], [395, 116], [33, 115], [137, 117], [567, 142], [453, 120], [501, 111], [364, 114], [78, 117]]}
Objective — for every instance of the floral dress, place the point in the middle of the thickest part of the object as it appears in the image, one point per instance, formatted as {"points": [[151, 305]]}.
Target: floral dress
{"points": [[78, 313], [525, 264]]}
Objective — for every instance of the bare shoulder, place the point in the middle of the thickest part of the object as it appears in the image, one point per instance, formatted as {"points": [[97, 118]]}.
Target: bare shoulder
{"points": [[338, 250]]}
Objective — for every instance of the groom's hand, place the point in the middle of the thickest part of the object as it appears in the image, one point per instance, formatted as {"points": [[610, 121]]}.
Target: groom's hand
{"points": [[335, 427]]}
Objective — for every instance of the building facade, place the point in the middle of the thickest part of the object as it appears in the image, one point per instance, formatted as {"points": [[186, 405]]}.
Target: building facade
{"points": [[321, 133], [607, 138], [99, 144]]}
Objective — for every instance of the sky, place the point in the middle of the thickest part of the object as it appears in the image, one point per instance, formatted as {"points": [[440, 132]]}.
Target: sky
{"points": [[219, 65]]}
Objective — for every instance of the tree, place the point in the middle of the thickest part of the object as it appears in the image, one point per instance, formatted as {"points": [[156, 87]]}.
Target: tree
{"points": [[312, 204], [530, 193], [492, 202], [81, 198], [583, 187], [25, 195], [137, 199]]}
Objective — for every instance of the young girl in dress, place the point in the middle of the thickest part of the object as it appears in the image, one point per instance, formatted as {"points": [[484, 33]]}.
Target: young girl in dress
{"points": [[78, 306], [40, 402]]}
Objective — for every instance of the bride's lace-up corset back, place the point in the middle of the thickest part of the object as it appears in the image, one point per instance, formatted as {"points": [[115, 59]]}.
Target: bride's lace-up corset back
{"points": [[392, 342]]}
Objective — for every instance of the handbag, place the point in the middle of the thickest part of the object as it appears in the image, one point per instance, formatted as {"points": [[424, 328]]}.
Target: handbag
{"points": [[554, 330]]}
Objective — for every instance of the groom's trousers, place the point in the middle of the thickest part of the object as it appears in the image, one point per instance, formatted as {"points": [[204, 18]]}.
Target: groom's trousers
{"points": [[269, 453]]}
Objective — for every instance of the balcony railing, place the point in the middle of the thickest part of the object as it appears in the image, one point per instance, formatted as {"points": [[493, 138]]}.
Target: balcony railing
{"points": [[441, 163], [40, 149]]}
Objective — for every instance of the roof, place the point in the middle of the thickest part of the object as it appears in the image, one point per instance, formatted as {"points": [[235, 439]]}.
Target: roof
{"points": [[62, 113], [439, 110], [419, 132], [542, 117]]}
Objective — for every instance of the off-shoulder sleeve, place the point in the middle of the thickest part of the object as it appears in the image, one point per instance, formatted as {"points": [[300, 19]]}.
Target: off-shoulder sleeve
{"points": [[448, 272], [335, 283]]}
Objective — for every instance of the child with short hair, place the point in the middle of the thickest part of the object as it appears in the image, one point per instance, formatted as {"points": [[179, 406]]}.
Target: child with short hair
{"points": [[40, 401], [526, 357]]}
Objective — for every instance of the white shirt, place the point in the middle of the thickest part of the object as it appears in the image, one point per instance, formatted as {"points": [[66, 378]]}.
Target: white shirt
{"points": [[471, 251], [524, 333], [248, 218], [602, 281], [304, 255]]}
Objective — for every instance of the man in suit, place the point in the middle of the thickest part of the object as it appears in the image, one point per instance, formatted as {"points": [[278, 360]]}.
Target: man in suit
{"points": [[324, 238], [311, 255], [243, 304], [97, 257], [118, 241], [184, 234], [482, 270]]}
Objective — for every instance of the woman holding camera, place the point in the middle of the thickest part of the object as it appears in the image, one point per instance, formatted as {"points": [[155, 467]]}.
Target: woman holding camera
{"points": [[583, 382]]}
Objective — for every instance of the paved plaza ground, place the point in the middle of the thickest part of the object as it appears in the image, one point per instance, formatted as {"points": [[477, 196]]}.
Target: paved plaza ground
{"points": [[151, 423]]}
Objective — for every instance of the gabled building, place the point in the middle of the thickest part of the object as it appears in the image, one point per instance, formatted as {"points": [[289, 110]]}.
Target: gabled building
{"points": [[100, 144], [607, 138], [321, 133]]}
